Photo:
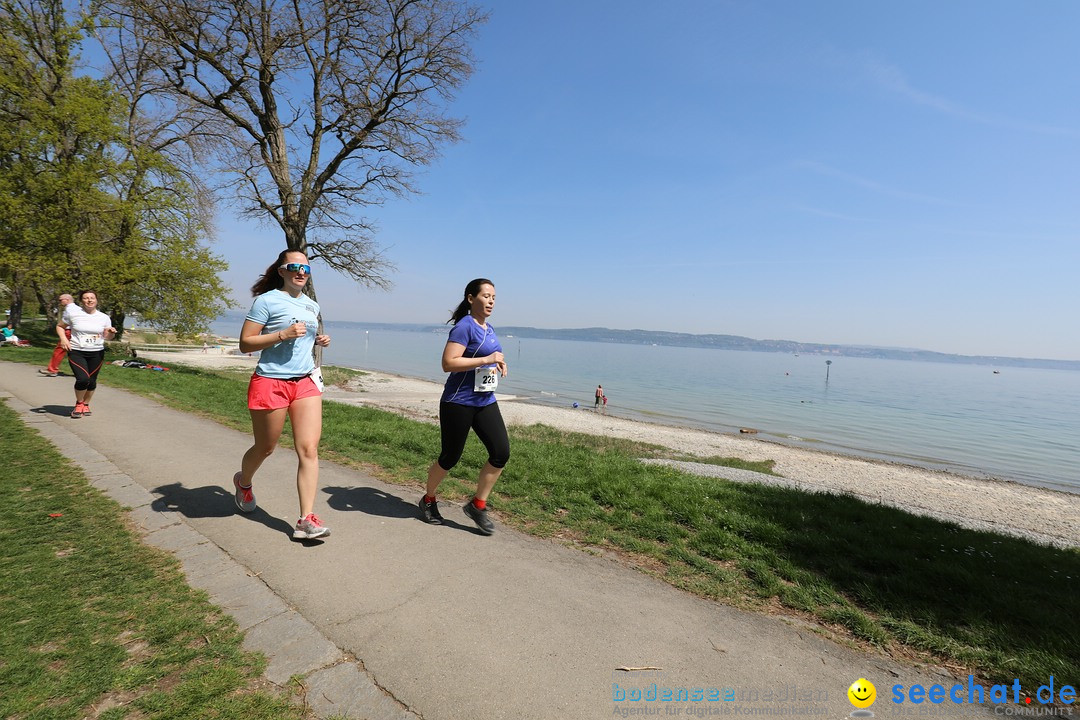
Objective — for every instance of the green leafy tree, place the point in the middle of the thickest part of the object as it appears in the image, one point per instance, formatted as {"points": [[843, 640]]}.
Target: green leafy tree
{"points": [[56, 133], [92, 202]]}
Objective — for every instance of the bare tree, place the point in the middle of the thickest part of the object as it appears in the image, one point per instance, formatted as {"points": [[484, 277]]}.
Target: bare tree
{"points": [[156, 124], [160, 182], [319, 109]]}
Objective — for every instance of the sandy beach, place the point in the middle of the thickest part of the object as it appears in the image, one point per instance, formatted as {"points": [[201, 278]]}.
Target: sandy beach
{"points": [[1045, 516]]}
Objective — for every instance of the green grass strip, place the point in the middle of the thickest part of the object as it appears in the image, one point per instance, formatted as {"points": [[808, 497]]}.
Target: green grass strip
{"points": [[93, 620]]}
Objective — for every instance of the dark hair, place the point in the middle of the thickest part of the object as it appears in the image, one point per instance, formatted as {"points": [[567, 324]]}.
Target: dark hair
{"points": [[473, 288], [271, 279], [79, 294]]}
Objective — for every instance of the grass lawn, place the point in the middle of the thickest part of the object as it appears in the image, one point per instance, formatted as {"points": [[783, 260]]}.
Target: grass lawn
{"points": [[998, 606], [96, 624]]}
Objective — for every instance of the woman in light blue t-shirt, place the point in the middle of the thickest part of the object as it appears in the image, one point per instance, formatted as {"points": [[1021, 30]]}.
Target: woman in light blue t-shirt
{"points": [[282, 327], [474, 359]]}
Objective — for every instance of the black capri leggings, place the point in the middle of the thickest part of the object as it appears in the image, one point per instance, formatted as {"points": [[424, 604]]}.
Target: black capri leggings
{"points": [[85, 364], [455, 421]]}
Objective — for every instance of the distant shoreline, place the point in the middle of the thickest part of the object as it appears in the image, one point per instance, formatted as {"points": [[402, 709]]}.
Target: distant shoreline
{"points": [[735, 342], [1043, 515]]}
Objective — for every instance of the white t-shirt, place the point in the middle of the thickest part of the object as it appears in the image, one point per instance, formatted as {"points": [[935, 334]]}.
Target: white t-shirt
{"points": [[87, 329]]}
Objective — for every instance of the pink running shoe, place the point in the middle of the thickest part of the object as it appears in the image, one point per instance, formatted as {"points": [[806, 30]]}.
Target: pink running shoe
{"points": [[310, 527], [245, 498]]}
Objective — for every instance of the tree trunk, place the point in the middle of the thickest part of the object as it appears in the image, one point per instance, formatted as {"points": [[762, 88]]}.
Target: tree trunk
{"points": [[118, 317], [48, 308], [15, 312], [309, 290]]}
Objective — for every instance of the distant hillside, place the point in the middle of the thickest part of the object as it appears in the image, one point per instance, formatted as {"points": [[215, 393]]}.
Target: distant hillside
{"points": [[722, 342], [737, 342]]}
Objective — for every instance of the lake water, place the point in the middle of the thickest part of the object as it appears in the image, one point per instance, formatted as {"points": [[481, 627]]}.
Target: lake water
{"points": [[1019, 424]]}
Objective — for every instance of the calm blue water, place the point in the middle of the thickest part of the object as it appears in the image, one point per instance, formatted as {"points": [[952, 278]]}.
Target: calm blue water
{"points": [[1019, 425]]}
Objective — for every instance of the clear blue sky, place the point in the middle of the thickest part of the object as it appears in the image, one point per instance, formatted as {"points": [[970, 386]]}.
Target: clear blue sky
{"points": [[895, 174]]}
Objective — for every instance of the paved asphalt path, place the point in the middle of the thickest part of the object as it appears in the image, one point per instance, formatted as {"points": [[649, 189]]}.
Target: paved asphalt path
{"points": [[393, 618]]}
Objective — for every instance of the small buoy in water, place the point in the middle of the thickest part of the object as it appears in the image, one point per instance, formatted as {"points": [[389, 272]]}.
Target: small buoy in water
{"points": [[575, 404]]}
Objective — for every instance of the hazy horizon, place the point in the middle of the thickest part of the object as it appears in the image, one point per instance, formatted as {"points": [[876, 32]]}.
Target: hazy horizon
{"points": [[239, 314]]}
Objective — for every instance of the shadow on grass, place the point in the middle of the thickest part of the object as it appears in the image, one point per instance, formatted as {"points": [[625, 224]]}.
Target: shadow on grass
{"points": [[1001, 604], [988, 599]]}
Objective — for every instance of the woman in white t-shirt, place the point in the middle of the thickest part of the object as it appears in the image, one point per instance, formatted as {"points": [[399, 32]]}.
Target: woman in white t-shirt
{"points": [[90, 328]]}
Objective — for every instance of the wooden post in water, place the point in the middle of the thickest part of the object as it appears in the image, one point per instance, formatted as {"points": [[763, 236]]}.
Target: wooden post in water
{"points": [[827, 364]]}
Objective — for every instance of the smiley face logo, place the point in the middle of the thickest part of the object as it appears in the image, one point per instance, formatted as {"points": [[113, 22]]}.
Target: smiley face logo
{"points": [[862, 693]]}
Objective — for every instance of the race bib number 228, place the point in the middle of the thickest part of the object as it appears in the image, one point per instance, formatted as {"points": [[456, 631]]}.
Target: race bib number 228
{"points": [[487, 379]]}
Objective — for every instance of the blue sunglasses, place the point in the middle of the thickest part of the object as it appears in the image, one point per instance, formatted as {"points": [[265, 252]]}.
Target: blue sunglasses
{"points": [[296, 267]]}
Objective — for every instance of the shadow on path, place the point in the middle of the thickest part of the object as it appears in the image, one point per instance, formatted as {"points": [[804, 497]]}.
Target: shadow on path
{"points": [[376, 502], [370, 501], [61, 410], [210, 501]]}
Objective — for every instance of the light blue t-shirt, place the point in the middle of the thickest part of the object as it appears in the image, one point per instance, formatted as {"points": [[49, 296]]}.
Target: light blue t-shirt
{"points": [[275, 311], [478, 342]]}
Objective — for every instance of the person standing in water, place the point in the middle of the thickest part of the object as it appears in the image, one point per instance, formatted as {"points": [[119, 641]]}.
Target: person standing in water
{"points": [[474, 358]]}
